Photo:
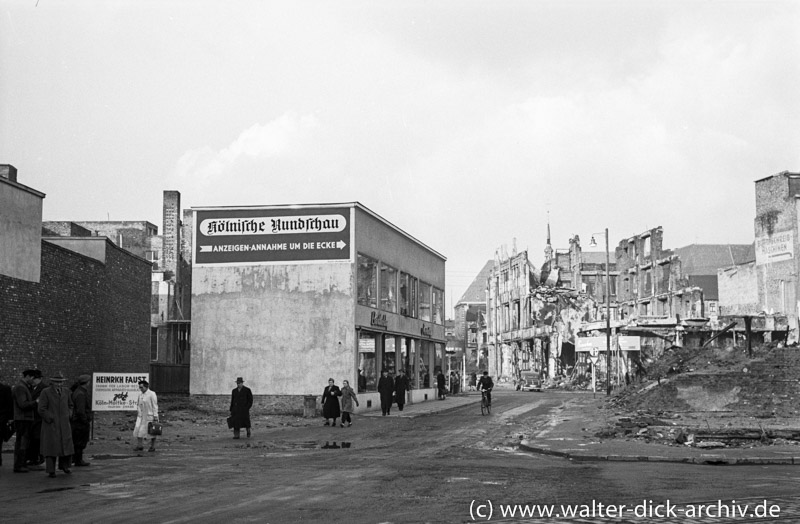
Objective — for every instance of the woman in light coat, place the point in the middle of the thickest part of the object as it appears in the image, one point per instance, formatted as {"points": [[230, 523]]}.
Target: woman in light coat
{"points": [[348, 398], [147, 407]]}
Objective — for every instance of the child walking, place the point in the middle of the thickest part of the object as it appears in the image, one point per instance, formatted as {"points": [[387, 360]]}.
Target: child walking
{"points": [[348, 397]]}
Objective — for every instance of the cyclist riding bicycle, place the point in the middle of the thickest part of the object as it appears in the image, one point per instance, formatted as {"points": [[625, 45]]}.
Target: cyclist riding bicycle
{"points": [[485, 384]]}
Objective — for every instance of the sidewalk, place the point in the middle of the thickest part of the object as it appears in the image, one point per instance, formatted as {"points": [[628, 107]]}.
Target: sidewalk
{"points": [[430, 406], [571, 435]]}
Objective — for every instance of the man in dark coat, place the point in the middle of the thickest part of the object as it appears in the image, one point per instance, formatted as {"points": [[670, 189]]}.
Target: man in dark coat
{"points": [[400, 388], [24, 406], [55, 406], [241, 402], [81, 419], [386, 390], [442, 385], [35, 458], [6, 415]]}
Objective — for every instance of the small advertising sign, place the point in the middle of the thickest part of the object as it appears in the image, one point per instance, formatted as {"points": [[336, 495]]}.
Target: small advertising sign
{"points": [[116, 391]]}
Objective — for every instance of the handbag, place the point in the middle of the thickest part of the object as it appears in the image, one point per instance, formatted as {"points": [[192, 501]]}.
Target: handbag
{"points": [[230, 422], [154, 428]]}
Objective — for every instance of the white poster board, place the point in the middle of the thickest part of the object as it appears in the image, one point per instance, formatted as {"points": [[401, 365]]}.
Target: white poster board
{"points": [[116, 391]]}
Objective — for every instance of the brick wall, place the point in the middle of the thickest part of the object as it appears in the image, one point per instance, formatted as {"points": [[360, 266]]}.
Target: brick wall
{"points": [[83, 315]]}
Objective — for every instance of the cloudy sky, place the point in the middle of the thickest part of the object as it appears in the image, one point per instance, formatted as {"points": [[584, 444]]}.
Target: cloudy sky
{"points": [[465, 123]]}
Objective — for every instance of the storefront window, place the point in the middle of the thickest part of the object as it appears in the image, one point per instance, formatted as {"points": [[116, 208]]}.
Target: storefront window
{"points": [[388, 288], [424, 301], [424, 364], [438, 362], [367, 281], [389, 356], [408, 295], [438, 306], [367, 362]]}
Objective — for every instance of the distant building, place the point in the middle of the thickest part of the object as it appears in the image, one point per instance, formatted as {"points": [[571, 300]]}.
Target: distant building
{"points": [[169, 287], [470, 321], [74, 304], [768, 287]]}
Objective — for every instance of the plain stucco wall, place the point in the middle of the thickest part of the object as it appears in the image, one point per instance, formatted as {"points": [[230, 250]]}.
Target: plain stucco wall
{"points": [[20, 233], [285, 328]]}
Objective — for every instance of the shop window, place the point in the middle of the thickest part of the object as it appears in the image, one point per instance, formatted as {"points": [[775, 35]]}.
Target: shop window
{"points": [[388, 288], [438, 306], [389, 356], [424, 301], [424, 364], [408, 295], [367, 361], [367, 281]]}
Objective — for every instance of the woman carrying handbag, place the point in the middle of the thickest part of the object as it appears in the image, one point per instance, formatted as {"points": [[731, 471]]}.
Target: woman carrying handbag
{"points": [[147, 408]]}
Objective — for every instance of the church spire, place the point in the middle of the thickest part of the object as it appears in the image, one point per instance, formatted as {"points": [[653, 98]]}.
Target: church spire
{"points": [[548, 250]]}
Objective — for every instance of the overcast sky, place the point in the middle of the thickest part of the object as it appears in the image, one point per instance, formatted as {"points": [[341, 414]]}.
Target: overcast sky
{"points": [[463, 123]]}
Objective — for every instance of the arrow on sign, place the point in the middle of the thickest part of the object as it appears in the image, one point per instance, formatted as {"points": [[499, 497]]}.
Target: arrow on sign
{"points": [[205, 249], [340, 244]]}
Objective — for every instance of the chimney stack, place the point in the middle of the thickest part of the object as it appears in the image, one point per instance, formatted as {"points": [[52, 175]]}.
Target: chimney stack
{"points": [[9, 172]]}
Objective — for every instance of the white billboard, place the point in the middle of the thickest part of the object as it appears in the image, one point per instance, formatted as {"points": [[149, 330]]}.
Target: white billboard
{"points": [[116, 391]]}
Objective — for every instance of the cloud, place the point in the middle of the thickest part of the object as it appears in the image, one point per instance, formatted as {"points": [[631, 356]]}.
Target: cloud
{"points": [[281, 137]]}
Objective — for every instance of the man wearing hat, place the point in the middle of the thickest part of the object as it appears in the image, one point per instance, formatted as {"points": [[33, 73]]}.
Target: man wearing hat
{"points": [[81, 419], [55, 405], [34, 457], [241, 402], [24, 406]]}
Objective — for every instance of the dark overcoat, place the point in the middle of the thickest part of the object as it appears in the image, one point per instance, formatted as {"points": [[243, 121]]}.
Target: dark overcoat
{"points": [[400, 389], [241, 402], [81, 416], [55, 406], [386, 389], [330, 402]]}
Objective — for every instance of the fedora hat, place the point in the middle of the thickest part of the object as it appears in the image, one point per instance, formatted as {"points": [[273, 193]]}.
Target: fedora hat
{"points": [[239, 380], [57, 378]]}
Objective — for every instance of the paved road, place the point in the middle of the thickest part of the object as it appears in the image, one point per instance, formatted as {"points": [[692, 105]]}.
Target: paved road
{"points": [[441, 467]]}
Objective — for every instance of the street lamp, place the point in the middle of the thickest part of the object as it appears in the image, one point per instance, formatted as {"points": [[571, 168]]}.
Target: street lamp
{"points": [[593, 243]]}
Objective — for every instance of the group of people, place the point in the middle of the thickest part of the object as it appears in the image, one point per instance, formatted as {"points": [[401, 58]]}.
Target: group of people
{"points": [[52, 422], [339, 402]]}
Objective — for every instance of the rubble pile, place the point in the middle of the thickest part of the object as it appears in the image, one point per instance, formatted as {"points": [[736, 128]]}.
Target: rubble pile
{"points": [[712, 398]]}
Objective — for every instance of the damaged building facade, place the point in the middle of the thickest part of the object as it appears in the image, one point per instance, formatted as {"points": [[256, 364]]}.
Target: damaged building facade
{"points": [[764, 292]]}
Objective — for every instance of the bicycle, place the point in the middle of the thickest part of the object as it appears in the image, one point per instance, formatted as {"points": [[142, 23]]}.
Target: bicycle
{"points": [[486, 408]]}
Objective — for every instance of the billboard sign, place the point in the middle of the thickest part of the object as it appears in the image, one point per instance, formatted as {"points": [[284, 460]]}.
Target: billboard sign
{"points": [[775, 248], [248, 236], [116, 391]]}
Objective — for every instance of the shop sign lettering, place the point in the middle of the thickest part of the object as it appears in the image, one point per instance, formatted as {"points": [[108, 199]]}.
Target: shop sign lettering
{"points": [[775, 248], [378, 320]]}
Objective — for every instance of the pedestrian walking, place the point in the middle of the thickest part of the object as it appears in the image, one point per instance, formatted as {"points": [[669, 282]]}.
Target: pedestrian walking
{"points": [[55, 406], [6, 416], [458, 383], [452, 382], [241, 402], [401, 386], [441, 385], [24, 406], [386, 390], [81, 419], [473, 382], [147, 411], [330, 402], [348, 398], [33, 455]]}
